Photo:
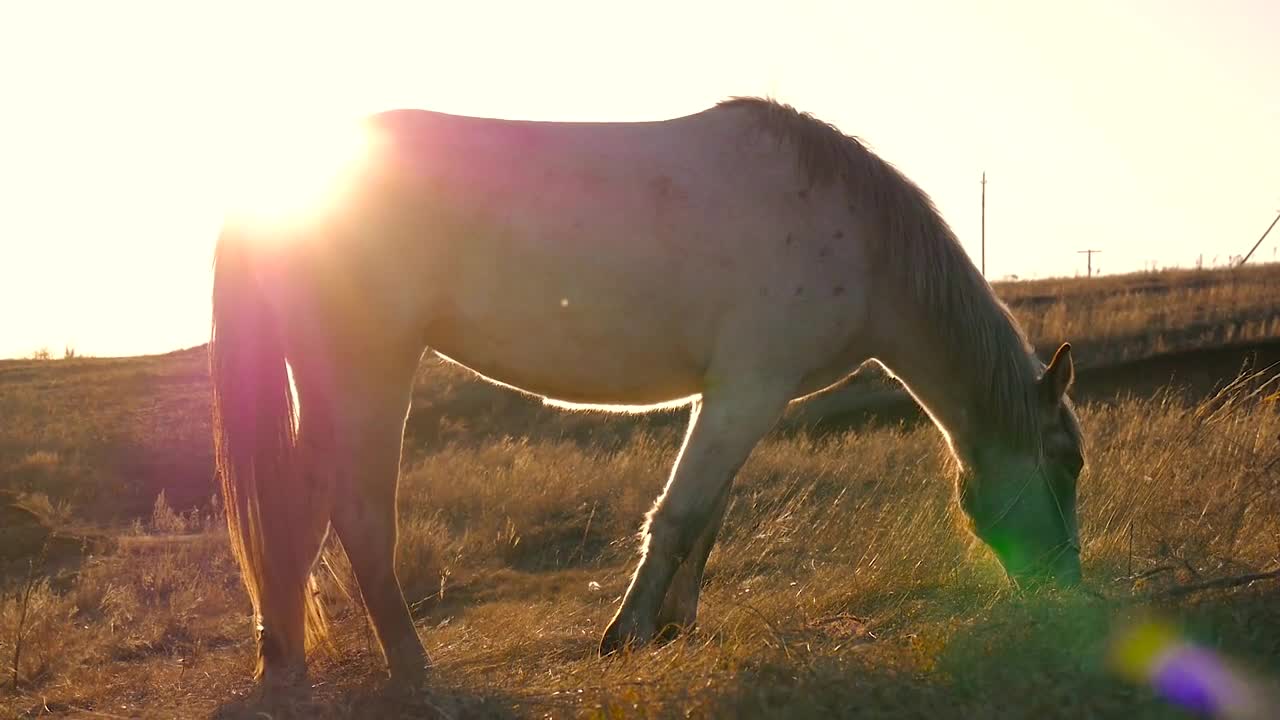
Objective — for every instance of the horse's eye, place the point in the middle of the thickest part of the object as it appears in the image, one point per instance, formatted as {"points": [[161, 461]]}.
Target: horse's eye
{"points": [[1072, 463], [1075, 462]]}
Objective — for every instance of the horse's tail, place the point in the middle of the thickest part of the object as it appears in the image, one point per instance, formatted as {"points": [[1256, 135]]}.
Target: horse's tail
{"points": [[269, 514]]}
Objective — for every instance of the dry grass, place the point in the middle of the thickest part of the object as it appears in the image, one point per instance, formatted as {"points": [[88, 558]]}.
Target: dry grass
{"points": [[1124, 317], [106, 435], [147, 603], [842, 585]]}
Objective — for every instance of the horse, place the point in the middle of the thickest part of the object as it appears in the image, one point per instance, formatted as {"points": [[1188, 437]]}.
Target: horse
{"points": [[733, 260]]}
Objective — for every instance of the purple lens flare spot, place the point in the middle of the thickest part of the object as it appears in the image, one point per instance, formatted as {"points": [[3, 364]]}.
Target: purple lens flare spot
{"points": [[1196, 679]]}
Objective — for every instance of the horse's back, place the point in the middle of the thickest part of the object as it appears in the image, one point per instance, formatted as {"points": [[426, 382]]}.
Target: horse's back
{"points": [[606, 262]]}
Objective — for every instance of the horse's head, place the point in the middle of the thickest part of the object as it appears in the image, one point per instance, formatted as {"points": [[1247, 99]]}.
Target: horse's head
{"points": [[1021, 501]]}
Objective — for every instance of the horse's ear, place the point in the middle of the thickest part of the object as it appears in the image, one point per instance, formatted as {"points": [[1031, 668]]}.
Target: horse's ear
{"points": [[1058, 376]]}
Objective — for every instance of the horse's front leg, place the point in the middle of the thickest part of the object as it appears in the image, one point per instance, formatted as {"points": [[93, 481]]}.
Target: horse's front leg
{"points": [[725, 425], [679, 610]]}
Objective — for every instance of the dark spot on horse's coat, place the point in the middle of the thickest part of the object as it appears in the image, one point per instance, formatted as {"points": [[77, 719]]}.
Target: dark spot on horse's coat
{"points": [[837, 234], [764, 292], [666, 192], [853, 208], [804, 194], [799, 290], [592, 181], [824, 252], [789, 238], [837, 290]]}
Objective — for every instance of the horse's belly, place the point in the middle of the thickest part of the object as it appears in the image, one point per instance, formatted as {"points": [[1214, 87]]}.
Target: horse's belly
{"points": [[607, 354], [578, 377]]}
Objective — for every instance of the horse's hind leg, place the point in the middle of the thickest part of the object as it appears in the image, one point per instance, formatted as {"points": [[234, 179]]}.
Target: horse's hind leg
{"points": [[728, 422], [370, 421], [286, 611]]}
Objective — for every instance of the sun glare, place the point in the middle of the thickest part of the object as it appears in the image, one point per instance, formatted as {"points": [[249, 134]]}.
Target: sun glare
{"points": [[287, 173]]}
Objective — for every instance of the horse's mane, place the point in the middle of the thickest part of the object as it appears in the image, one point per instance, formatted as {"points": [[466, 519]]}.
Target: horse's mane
{"points": [[922, 253]]}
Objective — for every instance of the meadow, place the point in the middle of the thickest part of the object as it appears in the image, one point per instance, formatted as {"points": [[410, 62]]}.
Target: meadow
{"points": [[843, 584]]}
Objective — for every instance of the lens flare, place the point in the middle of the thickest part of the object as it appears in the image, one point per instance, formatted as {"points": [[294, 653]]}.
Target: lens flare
{"points": [[287, 173], [1190, 676]]}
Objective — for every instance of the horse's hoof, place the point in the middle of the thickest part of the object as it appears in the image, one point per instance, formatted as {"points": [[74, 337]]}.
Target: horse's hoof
{"points": [[669, 632], [612, 642], [409, 683], [411, 674], [407, 687], [676, 619], [283, 679], [623, 636], [276, 690]]}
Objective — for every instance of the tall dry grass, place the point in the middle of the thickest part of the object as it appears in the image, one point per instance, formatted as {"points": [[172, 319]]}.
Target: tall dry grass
{"points": [[1123, 317], [842, 583]]}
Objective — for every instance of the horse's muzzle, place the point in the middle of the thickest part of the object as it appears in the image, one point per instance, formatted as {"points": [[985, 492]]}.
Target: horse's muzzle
{"points": [[1068, 575], [1064, 572]]}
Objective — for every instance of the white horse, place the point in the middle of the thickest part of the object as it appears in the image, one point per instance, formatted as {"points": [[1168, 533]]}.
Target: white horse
{"points": [[734, 260]]}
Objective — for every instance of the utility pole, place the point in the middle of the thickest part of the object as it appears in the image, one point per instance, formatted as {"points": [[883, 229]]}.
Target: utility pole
{"points": [[1264, 237], [1089, 262], [984, 223]]}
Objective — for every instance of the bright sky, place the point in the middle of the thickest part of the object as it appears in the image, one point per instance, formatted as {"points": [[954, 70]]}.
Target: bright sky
{"points": [[1145, 128]]}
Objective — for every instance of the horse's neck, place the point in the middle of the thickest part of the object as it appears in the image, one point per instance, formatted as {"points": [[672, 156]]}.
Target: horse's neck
{"points": [[928, 376], [946, 377]]}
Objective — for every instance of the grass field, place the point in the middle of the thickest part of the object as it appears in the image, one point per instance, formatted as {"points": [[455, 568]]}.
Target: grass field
{"points": [[1122, 317], [843, 584]]}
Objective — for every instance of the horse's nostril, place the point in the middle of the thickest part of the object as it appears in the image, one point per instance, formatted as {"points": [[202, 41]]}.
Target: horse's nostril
{"points": [[1068, 579], [1067, 573]]}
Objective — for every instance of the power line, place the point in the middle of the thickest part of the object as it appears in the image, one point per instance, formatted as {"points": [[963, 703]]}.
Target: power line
{"points": [[984, 223], [1264, 237], [1089, 262]]}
